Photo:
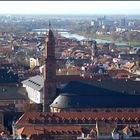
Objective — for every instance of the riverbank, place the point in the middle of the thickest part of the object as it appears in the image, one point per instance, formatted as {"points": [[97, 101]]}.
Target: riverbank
{"points": [[103, 37], [108, 38]]}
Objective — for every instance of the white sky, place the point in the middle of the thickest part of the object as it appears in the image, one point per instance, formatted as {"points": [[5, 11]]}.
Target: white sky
{"points": [[69, 7]]}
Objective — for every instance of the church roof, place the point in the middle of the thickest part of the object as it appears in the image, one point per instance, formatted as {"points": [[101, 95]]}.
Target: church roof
{"points": [[96, 101], [117, 85], [81, 95], [84, 88]]}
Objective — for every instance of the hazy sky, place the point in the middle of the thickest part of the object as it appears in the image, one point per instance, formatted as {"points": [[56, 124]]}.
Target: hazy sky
{"points": [[70, 7]]}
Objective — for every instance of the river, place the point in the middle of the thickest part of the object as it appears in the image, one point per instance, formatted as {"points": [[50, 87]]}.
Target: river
{"points": [[67, 34], [79, 37]]}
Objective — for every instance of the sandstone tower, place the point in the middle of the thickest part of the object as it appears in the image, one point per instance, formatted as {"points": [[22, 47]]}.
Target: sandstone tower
{"points": [[49, 71]]}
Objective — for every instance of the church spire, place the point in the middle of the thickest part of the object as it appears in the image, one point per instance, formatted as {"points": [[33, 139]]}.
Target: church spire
{"points": [[50, 44], [49, 25], [49, 70]]}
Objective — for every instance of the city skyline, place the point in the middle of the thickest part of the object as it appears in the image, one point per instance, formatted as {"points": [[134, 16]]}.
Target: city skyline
{"points": [[70, 7]]}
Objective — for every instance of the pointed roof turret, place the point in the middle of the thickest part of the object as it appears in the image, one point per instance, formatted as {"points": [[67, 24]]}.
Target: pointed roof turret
{"points": [[50, 34], [50, 43], [49, 25]]}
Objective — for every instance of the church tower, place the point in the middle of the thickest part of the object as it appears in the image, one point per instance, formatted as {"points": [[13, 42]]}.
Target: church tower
{"points": [[49, 71]]}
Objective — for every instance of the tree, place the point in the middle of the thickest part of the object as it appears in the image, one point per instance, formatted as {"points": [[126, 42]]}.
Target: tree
{"points": [[114, 36], [129, 36]]}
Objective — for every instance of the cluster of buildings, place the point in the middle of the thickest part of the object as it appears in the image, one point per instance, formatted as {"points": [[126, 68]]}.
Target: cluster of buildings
{"points": [[77, 125], [105, 25], [84, 90], [86, 57], [77, 107]]}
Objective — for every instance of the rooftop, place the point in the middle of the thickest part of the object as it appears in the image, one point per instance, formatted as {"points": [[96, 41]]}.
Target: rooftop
{"points": [[42, 118], [54, 130], [12, 92], [7, 76], [84, 95], [35, 82]]}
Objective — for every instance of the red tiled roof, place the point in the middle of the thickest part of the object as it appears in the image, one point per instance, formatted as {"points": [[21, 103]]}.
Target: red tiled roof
{"points": [[118, 71], [20, 130], [38, 130], [126, 129], [27, 128], [129, 65], [42, 116]]}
